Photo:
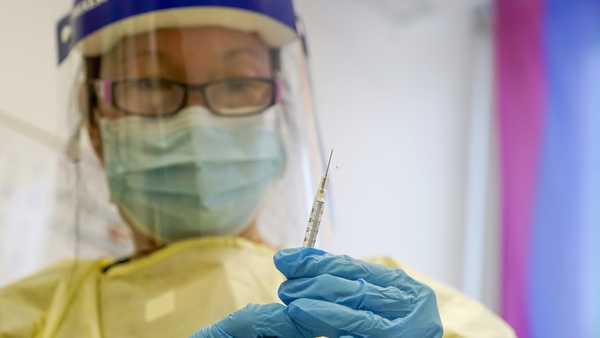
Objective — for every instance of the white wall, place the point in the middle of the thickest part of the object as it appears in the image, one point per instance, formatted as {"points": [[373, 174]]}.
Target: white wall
{"points": [[394, 99], [28, 59], [27, 168], [393, 94]]}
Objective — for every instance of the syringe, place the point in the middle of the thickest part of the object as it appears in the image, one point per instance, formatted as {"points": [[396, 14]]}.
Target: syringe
{"points": [[314, 222]]}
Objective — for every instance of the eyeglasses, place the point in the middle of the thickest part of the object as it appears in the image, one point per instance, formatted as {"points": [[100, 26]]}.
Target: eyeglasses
{"points": [[156, 97]]}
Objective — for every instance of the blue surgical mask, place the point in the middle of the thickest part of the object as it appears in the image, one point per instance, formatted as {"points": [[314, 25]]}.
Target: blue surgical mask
{"points": [[193, 174]]}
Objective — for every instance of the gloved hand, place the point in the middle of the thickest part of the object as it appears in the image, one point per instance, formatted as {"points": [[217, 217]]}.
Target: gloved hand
{"points": [[337, 296], [253, 321]]}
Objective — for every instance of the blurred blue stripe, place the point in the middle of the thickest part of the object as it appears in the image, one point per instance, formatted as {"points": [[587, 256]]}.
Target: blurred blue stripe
{"points": [[565, 277]]}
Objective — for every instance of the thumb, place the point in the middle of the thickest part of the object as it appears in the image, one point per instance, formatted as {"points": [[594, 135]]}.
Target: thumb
{"points": [[253, 321]]}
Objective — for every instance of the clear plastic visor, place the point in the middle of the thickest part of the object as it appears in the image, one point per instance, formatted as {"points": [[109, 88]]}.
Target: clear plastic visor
{"points": [[202, 131]]}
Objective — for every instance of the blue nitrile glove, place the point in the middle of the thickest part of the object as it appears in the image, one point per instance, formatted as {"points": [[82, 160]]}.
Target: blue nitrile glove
{"points": [[335, 296], [253, 321]]}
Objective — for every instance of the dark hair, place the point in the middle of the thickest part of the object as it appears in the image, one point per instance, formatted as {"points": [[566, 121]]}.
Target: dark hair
{"points": [[92, 73]]}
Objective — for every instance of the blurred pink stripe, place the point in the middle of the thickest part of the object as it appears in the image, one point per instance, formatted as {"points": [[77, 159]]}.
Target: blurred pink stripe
{"points": [[520, 103]]}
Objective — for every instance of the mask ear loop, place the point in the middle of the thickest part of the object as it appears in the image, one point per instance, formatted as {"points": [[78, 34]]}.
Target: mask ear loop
{"points": [[103, 89], [278, 90]]}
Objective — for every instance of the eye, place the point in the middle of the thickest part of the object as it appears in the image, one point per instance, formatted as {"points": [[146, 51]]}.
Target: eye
{"points": [[149, 97], [236, 87], [153, 85], [240, 96], [146, 84]]}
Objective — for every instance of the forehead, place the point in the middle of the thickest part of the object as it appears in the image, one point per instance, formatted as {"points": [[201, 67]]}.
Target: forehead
{"points": [[197, 44], [208, 37]]}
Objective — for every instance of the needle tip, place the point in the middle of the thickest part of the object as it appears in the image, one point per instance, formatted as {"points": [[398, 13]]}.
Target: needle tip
{"points": [[329, 163]]}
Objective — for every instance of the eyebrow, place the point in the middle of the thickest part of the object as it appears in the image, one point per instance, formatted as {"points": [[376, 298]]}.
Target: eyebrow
{"points": [[235, 53], [228, 56], [142, 55], [147, 53]]}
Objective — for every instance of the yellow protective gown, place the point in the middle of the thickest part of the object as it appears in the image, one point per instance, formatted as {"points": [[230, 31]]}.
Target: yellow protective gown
{"points": [[177, 290]]}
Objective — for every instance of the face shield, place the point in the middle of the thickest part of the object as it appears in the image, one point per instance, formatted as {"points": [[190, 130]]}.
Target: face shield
{"points": [[189, 121]]}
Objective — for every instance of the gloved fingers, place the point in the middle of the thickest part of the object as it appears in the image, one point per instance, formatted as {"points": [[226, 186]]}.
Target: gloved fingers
{"points": [[310, 262], [317, 318], [210, 332], [253, 321], [388, 302]]}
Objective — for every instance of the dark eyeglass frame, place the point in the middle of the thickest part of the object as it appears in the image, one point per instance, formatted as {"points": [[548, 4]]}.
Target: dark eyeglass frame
{"points": [[104, 90]]}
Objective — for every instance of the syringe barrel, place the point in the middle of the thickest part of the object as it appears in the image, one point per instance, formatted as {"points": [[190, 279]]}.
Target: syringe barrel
{"points": [[314, 222], [316, 213]]}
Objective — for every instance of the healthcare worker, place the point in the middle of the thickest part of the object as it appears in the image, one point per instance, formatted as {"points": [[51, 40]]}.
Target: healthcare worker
{"points": [[199, 115]]}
